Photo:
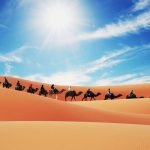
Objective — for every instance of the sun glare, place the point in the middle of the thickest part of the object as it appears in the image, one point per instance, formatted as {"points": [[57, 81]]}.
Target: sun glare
{"points": [[61, 18], [56, 20]]}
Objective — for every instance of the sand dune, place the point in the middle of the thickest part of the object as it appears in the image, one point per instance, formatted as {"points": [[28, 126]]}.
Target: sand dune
{"points": [[21, 106], [138, 106], [73, 136], [33, 122], [139, 89]]}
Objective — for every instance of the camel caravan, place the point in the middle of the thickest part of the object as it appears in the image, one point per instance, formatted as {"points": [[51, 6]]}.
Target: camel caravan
{"points": [[69, 93]]}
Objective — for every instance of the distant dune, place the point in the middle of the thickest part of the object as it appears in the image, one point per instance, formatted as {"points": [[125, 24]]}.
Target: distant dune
{"points": [[29, 121], [139, 106], [139, 89]]}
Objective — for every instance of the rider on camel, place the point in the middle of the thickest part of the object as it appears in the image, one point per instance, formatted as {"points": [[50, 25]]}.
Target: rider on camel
{"points": [[42, 89], [18, 85], [6, 81], [70, 89], [131, 93], [88, 92], [30, 87], [53, 88], [108, 92]]}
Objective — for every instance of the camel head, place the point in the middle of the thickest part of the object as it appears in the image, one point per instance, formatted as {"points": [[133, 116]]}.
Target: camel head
{"points": [[119, 95], [36, 89], [80, 92], [98, 94], [63, 90]]}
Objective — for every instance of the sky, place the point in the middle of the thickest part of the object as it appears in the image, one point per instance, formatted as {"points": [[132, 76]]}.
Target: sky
{"points": [[76, 42]]}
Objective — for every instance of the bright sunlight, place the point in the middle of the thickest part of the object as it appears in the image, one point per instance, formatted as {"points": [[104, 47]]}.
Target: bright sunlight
{"points": [[56, 20]]}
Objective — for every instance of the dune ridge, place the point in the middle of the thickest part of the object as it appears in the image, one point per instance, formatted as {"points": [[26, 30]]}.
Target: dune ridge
{"points": [[139, 89]]}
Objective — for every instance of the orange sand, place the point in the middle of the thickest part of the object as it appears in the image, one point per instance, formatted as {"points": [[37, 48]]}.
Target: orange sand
{"points": [[139, 89], [17, 106], [29, 121], [139, 106], [73, 136]]}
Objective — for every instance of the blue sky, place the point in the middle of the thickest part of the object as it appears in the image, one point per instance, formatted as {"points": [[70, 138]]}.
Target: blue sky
{"points": [[80, 42]]}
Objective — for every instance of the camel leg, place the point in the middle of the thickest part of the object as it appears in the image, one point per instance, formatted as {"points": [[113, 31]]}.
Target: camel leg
{"points": [[45, 94], [71, 98], [65, 98], [83, 98]]}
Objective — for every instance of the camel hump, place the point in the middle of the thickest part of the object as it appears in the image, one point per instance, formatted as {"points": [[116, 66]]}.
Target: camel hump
{"points": [[74, 91], [70, 92]]}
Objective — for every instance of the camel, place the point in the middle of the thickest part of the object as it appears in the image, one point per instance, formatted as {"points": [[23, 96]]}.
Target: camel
{"points": [[32, 90], [43, 92], [72, 94], [112, 96], [91, 95], [55, 91], [20, 88], [133, 96], [7, 85]]}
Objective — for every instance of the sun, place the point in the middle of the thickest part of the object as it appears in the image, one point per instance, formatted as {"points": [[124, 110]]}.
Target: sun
{"points": [[60, 18], [56, 20]]}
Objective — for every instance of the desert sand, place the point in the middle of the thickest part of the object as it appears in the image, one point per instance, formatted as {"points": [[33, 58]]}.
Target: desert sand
{"points": [[137, 106], [139, 89], [29, 121], [73, 136]]}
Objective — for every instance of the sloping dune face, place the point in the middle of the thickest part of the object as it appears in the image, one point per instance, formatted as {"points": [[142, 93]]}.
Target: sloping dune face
{"points": [[21, 106], [140, 89], [47, 123], [73, 136], [136, 106]]}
